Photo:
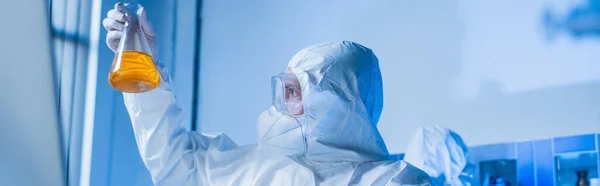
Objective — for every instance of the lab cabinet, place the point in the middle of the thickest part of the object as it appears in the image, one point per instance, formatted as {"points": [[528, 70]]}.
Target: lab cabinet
{"points": [[544, 162]]}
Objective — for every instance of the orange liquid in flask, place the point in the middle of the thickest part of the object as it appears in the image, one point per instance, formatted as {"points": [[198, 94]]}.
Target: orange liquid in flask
{"points": [[133, 72]]}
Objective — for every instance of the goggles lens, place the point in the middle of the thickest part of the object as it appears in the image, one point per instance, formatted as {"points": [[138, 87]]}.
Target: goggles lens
{"points": [[286, 94]]}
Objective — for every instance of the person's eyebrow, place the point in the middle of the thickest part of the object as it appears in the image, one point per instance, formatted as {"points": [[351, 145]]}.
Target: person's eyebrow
{"points": [[291, 84]]}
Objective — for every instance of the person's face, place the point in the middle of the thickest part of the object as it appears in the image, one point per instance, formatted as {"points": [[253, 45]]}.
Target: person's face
{"points": [[293, 95]]}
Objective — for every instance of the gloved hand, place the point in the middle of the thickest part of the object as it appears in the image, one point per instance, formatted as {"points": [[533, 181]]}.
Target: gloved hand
{"points": [[115, 22]]}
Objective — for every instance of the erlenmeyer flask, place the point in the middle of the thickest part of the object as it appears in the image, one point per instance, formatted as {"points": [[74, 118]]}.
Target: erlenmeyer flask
{"points": [[133, 68]]}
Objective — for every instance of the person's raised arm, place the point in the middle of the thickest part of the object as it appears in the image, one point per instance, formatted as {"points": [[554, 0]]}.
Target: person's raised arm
{"points": [[172, 154]]}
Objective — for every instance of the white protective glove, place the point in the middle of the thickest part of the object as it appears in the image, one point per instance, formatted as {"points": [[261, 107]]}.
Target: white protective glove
{"points": [[115, 22]]}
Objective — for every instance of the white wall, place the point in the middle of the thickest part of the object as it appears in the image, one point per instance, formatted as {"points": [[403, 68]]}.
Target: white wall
{"points": [[482, 68]]}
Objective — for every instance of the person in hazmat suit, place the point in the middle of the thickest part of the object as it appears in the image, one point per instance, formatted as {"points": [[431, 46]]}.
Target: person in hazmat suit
{"points": [[442, 154], [320, 130]]}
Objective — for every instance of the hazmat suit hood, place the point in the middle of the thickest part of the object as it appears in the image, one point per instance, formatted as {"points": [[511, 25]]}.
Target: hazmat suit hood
{"points": [[342, 94], [442, 154]]}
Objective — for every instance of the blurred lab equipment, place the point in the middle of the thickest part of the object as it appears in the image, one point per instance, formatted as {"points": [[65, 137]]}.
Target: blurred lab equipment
{"points": [[442, 154], [494, 181], [581, 21], [30, 130], [486, 180], [133, 69], [498, 181], [582, 178], [499, 172], [576, 168]]}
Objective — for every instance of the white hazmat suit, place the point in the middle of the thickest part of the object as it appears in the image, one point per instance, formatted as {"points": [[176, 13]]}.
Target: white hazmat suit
{"points": [[333, 139], [442, 154]]}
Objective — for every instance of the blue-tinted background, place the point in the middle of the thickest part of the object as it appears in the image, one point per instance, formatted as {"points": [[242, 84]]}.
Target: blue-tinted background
{"points": [[518, 80], [493, 71]]}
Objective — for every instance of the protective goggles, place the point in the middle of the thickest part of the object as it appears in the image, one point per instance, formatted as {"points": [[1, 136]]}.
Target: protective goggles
{"points": [[287, 96]]}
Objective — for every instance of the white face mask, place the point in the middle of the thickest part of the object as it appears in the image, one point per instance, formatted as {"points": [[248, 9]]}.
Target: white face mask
{"points": [[281, 133]]}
